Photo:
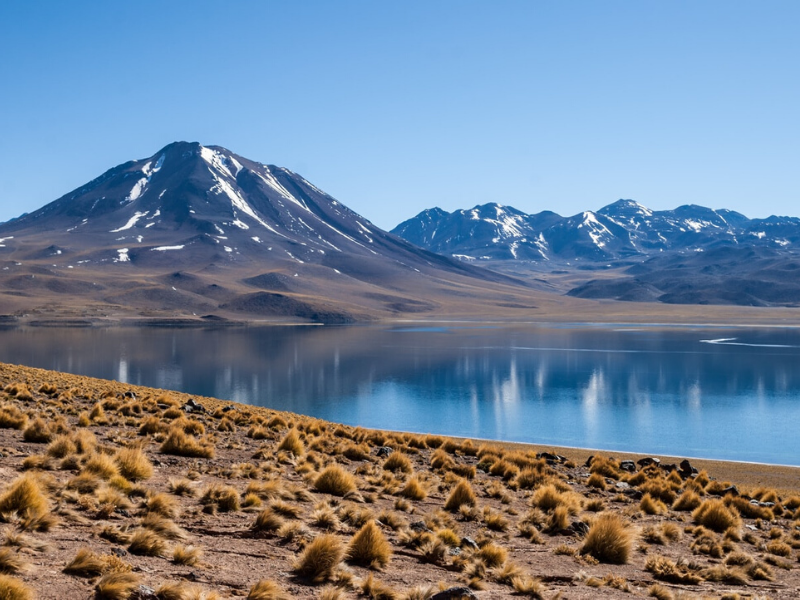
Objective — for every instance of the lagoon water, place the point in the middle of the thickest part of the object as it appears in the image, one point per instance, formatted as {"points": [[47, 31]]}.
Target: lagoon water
{"points": [[687, 391]]}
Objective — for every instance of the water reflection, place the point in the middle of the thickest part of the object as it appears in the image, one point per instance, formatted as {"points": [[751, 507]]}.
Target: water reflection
{"points": [[646, 389]]}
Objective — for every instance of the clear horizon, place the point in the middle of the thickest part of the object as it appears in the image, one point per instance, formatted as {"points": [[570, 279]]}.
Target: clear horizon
{"points": [[393, 109]]}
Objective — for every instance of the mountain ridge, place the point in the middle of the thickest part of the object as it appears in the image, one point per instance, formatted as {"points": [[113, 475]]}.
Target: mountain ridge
{"points": [[223, 219]]}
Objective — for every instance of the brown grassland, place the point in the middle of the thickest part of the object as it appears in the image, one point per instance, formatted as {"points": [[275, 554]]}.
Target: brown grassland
{"points": [[119, 492]]}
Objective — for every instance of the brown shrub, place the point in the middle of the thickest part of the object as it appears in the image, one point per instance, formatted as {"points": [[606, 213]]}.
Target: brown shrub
{"points": [[320, 558], [37, 432], [667, 570], [14, 589], [24, 498], [266, 590], [609, 540], [336, 481], [398, 461], [715, 515], [116, 586], [179, 443], [462, 495], [222, 497], [12, 418], [369, 547], [292, 443], [413, 490], [147, 543], [133, 464]]}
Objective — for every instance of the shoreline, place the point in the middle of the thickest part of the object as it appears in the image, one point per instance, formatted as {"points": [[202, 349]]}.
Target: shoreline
{"points": [[783, 478]]}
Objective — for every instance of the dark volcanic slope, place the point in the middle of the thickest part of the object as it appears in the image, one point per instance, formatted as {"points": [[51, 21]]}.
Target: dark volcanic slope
{"points": [[235, 235], [725, 275], [690, 255]]}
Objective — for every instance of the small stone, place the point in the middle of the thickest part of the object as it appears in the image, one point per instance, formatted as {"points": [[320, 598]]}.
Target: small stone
{"points": [[628, 465], [469, 543], [579, 527], [419, 526], [621, 485], [119, 551], [650, 460], [143, 592], [588, 462], [383, 451]]}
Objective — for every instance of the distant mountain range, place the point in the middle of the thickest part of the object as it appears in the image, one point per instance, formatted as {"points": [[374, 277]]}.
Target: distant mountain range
{"points": [[200, 230], [690, 255], [617, 232]]}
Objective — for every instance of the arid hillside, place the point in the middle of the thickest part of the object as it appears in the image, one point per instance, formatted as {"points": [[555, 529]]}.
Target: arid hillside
{"points": [[118, 492]]}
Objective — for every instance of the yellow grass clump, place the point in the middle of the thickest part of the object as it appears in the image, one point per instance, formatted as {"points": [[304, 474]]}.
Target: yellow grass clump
{"points": [[116, 586], [24, 498], [336, 481], [715, 515], [266, 590], [179, 443], [369, 547], [609, 540], [292, 443], [462, 495], [320, 558], [133, 464], [13, 589]]}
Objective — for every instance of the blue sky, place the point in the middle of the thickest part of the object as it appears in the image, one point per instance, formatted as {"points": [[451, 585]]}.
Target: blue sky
{"points": [[398, 107]]}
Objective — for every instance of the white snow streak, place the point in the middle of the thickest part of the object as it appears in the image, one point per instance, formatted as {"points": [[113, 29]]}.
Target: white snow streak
{"points": [[165, 248], [131, 222]]}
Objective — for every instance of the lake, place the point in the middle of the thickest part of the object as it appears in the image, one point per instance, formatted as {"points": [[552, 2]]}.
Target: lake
{"points": [[729, 394]]}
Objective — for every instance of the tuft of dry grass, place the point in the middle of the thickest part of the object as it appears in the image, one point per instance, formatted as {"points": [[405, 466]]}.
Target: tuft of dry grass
{"points": [[86, 564], [224, 498], [609, 540], [369, 547], [266, 590], [116, 586], [268, 520], [12, 417], [12, 562], [336, 481], [179, 443], [24, 498], [292, 443], [462, 495], [667, 570], [398, 461], [320, 558], [687, 501], [186, 555], [147, 543], [133, 464], [13, 589], [715, 515], [38, 432], [413, 490]]}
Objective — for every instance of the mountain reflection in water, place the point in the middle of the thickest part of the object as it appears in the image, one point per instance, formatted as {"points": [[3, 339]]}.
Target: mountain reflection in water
{"points": [[643, 389]]}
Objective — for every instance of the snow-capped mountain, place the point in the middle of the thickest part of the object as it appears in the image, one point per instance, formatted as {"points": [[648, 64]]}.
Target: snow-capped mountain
{"points": [[203, 210], [622, 230]]}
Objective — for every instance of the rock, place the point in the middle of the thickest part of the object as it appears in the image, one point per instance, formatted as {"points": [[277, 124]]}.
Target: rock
{"points": [[588, 462], [119, 552], [634, 494], [646, 462], [687, 470], [227, 408], [193, 406], [469, 543], [419, 526], [628, 465], [669, 468], [129, 394], [621, 485], [732, 490], [143, 593], [551, 458], [383, 451], [579, 528], [454, 551], [455, 593]]}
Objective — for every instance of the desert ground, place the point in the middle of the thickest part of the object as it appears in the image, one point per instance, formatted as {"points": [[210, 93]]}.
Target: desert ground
{"points": [[113, 491]]}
